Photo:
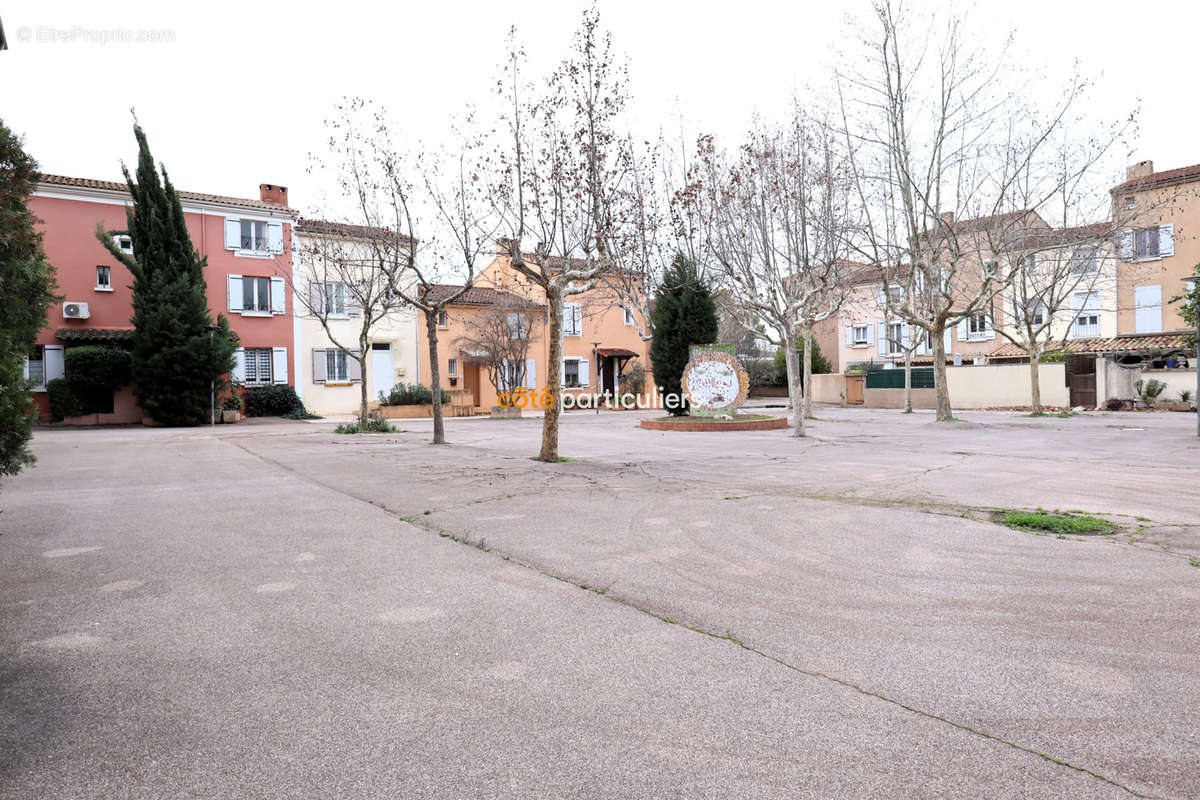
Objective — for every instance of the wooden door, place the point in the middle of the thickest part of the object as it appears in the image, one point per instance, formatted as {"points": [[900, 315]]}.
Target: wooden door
{"points": [[471, 381], [854, 389]]}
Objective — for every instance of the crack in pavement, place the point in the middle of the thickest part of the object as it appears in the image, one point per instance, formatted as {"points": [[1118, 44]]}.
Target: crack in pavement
{"points": [[727, 637]]}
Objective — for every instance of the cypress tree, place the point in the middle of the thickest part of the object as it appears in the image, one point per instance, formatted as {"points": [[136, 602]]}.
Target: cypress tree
{"points": [[684, 315], [177, 350], [27, 287]]}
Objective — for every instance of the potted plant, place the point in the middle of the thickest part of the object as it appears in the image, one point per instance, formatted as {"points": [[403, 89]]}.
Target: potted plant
{"points": [[231, 408]]}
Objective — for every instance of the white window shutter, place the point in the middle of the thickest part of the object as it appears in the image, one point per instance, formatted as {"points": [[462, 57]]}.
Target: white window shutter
{"points": [[882, 340], [530, 374], [233, 234], [1148, 309], [53, 364], [1166, 240], [319, 366], [1125, 245], [870, 333], [279, 364], [881, 298], [849, 336], [278, 296], [904, 336], [316, 298], [235, 293], [989, 328], [275, 237], [962, 329], [353, 306], [26, 367], [946, 341], [239, 364], [353, 367], [585, 372]]}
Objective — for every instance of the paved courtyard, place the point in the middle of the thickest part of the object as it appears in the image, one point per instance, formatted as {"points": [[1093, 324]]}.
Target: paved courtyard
{"points": [[270, 610]]}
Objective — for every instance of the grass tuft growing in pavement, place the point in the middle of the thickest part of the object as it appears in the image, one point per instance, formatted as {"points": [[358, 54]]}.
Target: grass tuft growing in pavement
{"points": [[1055, 522]]}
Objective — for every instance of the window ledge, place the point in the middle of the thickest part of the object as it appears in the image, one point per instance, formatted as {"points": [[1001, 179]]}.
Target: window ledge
{"points": [[339, 383], [254, 253], [256, 314]]}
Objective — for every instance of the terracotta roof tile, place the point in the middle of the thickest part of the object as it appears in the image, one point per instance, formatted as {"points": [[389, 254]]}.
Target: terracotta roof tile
{"points": [[1115, 344], [94, 334], [480, 296], [345, 229], [1165, 176], [116, 186]]}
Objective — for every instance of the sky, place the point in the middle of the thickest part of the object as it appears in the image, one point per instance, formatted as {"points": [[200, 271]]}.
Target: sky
{"points": [[232, 95]]}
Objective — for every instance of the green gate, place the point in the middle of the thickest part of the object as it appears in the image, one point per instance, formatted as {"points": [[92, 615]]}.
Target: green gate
{"points": [[922, 378]]}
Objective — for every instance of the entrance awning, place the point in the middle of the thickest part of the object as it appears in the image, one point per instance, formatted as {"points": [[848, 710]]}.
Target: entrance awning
{"points": [[615, 352], [118, 335]]}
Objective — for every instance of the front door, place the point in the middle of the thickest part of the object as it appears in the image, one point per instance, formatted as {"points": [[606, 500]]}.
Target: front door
{"points": [[471, 382], [383, 373]]}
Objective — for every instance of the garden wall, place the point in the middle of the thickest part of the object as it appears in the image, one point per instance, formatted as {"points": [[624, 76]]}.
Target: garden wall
{"points": [[1176, 381]]}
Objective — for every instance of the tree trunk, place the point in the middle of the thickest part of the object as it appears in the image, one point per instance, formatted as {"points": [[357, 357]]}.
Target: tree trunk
{"points": [[435, 376], [549, 451], [944, 414], [908, 381], [363, 354], [1034, 384], [793, 368], [806, 387]]}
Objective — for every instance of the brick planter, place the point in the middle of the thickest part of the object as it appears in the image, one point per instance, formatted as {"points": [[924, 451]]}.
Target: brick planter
{"points": [[691, 424]]}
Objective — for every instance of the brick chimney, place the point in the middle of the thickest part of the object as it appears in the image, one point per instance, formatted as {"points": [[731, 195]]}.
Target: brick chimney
{"points": [[946, 217], [1142, 169], [271, 193]]}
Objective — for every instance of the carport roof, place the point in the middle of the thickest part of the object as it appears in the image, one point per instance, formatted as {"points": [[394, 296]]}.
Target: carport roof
{"points": [[1127, 343]]}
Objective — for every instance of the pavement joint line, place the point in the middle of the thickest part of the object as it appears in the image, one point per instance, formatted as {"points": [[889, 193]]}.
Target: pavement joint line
{"points": [[728, 636]]}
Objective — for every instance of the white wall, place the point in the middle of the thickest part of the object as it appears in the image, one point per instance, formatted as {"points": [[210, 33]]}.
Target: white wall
{"points": [[1175, 379], [1005, 385]]}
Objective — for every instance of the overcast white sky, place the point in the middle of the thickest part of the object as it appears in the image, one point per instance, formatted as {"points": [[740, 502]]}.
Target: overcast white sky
{"points": [[237, 98]]}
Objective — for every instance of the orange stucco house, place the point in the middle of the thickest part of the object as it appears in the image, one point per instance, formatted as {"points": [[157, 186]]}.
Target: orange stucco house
{"points": [[600, 338]]}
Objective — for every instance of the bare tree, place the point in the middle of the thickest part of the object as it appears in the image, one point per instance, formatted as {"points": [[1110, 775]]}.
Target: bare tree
{"points": [[777, 240], [385, 192], [336, 281], [953, 167], [556, 180], [498, 338]]}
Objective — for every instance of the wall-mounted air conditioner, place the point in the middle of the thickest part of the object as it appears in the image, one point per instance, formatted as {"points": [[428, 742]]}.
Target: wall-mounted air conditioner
{"points": [[75, 310]]}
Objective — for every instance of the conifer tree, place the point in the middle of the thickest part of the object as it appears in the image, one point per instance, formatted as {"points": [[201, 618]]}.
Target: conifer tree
{"points": [[178, 352], [684, 315], [27, 287]]}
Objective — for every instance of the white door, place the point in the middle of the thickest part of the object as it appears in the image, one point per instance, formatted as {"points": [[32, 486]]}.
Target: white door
{"points": [[383, 375]]}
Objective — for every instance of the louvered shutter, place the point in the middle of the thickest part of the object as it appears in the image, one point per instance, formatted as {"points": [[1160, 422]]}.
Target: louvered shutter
{"points": [[279, 369], [275, 237], [320, 366], [962, 330], [849, 336], [233, 234], [353, 306], [870, 333], [585, 372], [235, 294], [316, 298], [530, 374], [239, 365], [353, 367], [1125, 245], [1166, 240], [53, 363], [278, 296], [882, 340]]}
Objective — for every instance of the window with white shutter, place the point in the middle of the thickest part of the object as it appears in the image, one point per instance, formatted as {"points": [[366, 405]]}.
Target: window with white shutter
{"points": [[337, 367], [572, 319], [256, 366]]}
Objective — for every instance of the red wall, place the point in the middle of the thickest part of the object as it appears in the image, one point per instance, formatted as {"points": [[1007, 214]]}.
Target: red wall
{"points": [[68, 227]]}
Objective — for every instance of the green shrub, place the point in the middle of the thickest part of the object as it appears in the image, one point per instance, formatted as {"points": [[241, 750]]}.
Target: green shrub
{"points": [[95, 372], [233, 402], [820, 364], [302, 413], [63, 402], [272, 401], [634, 381], [410, 394], [375, 424], [1150, 390]]}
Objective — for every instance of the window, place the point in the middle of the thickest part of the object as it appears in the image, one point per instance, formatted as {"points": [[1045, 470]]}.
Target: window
{"points": [[1085, 260], [124, 243], [979, 326], [452, 368], [895, 332], [1034, 311], [257, 366], [103, 279], [571, 372], [860, 335], [897, 294], [256, 294], [572, 319], [990, 268], [254, 235], [337, 366], [443, 319], [516, 326], [333, 299], [37, 368], [1130, 201], [629, 316], [1087, 317], [1145, 243]]}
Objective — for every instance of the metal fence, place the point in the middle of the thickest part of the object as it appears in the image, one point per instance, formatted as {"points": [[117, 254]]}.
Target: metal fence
{"points": [[922, 378]]}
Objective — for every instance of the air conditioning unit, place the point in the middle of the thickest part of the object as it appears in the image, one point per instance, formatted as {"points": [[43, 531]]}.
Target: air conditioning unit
{"points": [[75, 311]]}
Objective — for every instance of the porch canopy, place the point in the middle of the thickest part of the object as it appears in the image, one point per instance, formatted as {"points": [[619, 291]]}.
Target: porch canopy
{"points": [[108, 335], [1125, 344]]}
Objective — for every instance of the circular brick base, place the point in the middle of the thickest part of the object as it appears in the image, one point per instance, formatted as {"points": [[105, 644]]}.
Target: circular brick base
{"points": [[690, 424]]}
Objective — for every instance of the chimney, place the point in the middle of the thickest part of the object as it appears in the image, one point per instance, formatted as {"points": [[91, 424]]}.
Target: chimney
{"points": [[947, 217], [271, 193], [1142, 169]]}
